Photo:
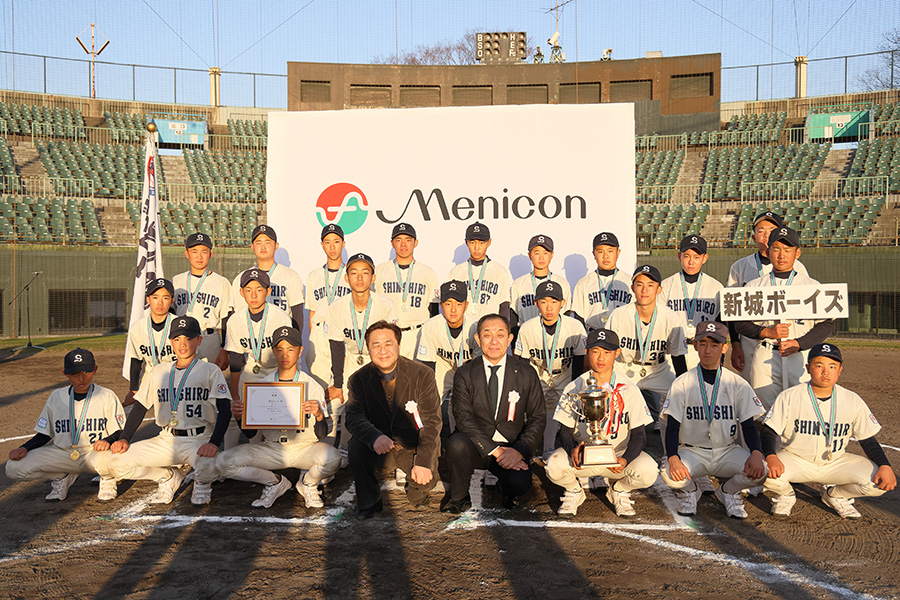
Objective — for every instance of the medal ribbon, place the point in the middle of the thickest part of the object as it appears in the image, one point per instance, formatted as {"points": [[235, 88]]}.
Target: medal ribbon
{"points": [[156, 356], [476, 291], [789, 279], [404, 287], [256, 349], [709, 406], [692, 304], [175, 398], [829, 434], [759, 265], [331, 292], [548, 358], [615, 410], [462, 343], [192, 296], [360, 342], [75, 429], [644, 343], [604, 298]]}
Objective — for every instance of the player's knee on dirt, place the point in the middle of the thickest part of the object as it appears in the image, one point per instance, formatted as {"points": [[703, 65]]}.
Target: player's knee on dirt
{"points": [[558, 464], [205, 469]]}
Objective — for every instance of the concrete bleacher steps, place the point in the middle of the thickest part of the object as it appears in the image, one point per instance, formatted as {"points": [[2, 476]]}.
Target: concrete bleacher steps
{"points": [[887, 225], [719, 225], [180, 188], [692, 168], [116, 225], [29, 166], [837, 165]]}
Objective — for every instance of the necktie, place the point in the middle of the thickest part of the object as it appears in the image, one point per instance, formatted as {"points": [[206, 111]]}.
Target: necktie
{"points": [[494, 386]]}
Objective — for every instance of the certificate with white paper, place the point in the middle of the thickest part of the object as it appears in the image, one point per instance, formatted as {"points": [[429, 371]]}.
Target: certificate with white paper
{"points": [[274, 405]]}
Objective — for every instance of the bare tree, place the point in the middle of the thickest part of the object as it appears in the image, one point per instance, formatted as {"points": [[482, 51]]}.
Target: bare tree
{"points": [[886, 75], [459, 52]]}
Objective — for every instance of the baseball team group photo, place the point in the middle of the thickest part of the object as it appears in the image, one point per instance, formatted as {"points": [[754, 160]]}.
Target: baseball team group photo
{"points": [[285, 344]]}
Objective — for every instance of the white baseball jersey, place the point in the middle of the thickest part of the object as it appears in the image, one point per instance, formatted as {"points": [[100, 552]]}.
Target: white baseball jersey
{"points": [[315, 392], [745, 270], [799, 327], [437, 345], [634, 411], [339, 325], [207, 298], [697, 301], [491, 281], [644, 350], [323, 287], [254, 340], [596, 296], [200, 386], [286, 285], [794, 419], [149, 345], [734, 403], [411, 289], [98, 418], [534, 344], [524, 289]]}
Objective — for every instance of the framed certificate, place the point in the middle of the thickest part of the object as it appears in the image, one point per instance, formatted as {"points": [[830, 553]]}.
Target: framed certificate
{"points": [[274, 405]]}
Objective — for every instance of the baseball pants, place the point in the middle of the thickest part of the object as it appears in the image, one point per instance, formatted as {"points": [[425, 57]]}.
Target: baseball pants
{"points": [[409, 341], [233, 433], [153, 458], [53, 462], [721, 463], [771, 373], [210, 346], [317, 354], [638, 474], [851, 475], [254, 462]]}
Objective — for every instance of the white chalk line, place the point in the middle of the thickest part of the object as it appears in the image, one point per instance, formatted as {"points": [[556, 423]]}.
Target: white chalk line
{"points": [[64, 548]]}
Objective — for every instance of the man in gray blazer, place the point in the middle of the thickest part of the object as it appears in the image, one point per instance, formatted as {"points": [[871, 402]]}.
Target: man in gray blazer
{"points": [[499, 410]]}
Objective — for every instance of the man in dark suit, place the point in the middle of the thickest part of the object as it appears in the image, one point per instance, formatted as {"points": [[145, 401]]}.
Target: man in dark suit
{"points": [[393, 406], [499, 410]]}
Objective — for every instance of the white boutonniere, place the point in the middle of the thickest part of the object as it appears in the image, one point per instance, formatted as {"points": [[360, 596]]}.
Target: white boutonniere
{"points": [[513, 399], [412, 407]]}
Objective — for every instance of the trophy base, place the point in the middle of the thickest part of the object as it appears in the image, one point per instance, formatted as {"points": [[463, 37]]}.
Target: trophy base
{"points": [[602, 455]]}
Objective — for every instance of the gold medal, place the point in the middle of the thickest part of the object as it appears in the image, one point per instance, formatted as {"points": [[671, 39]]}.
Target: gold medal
{"points": [[75, 454], [643, 372], [359, 359], [828, 455], [173, 421], [256, 369], [404, 308], [473, 311]]}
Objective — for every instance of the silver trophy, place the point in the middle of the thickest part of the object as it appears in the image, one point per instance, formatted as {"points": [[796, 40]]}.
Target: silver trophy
{"points": [[598, 452]]}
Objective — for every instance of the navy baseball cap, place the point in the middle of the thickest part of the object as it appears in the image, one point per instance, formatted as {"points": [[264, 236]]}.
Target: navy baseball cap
{"points": [[332, 228], [78, 360], [602, 338], [548, 289], [186, 326], [257, 275], [826, 350], [198, 239], [263, 230], [287, 334], [454, 290], [478, 231], [361, 257], [159, 283], [770, 217], [544, 241], [785, 235], [693, 242], [711, 329], [403, 229], [648, 270], [606, 238]]}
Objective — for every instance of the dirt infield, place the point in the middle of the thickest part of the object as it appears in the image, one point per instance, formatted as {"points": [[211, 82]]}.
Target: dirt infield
{"points": [[81, 548]]}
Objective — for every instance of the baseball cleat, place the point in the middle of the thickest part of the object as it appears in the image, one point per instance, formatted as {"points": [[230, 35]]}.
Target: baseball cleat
{"points": [[59, 488], [109, 490], [272, 492], [201, 494], [621, 501], [705, 485], [571, 500], [311, 494], [687, 501], [782, 505], [842, 506], [167, 488], [734, 504], [345, 457]]}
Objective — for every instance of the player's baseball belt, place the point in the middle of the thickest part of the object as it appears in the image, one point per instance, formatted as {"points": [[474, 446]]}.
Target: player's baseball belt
{"points": [[186, 432], [411, 327], [210, 331], [768, 344], [693, 446]]}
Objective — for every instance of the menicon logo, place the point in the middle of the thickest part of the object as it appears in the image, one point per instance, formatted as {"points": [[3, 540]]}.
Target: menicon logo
{"points": [[343, 204]]}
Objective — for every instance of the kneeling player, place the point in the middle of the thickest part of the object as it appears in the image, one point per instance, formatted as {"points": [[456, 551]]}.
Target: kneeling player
{"points": [[815, 421], [703, 411], [299, 449], [189, 396], [627, 433], [74, 432]]}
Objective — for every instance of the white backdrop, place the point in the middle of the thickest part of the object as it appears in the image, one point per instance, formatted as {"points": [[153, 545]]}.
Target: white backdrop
{"points": [[566, 171]]}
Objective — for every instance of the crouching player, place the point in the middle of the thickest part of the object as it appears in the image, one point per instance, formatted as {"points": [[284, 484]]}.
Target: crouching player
{"points": [[190, 398], [814, 422], [628, 418], [74, 432], [703, 411], [298, 449]]}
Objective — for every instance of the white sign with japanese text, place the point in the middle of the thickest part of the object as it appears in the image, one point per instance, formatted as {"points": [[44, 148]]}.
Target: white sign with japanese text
{"points": [[788, 303]]}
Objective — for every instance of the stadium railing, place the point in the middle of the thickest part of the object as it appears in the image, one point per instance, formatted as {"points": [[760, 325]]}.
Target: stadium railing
{"points": [[673, 194], [201, 192]]}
